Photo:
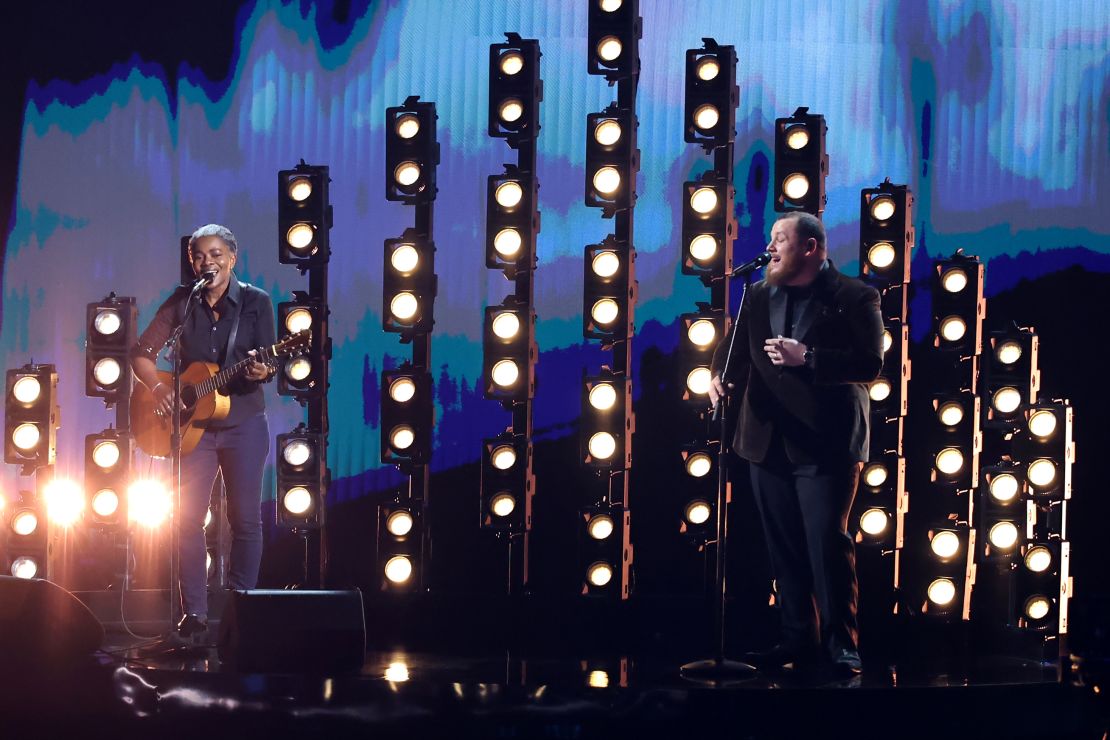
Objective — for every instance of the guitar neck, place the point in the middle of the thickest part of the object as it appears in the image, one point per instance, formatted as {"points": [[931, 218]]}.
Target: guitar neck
{"points": [[218, 381]]}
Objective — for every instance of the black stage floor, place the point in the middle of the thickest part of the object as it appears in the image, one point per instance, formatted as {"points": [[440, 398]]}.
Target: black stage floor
{"points": [[491, 694]]}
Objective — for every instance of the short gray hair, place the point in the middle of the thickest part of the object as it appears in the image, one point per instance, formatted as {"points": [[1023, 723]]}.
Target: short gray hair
{"points": [[214, 230], [808, 226]]}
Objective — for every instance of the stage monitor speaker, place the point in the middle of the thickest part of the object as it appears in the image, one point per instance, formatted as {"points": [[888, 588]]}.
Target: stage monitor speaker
{"points": [[318, 632], [42, 624]]}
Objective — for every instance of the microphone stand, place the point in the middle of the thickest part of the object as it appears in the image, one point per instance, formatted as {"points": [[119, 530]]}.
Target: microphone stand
{"points": [[718, 670]]}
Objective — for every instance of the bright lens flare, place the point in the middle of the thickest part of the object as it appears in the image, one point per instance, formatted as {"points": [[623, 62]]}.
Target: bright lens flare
{"points": [[503, 457], [402, 390], [398, 569], [297, 500], [506, 325], [107, 321], [508, 194], [505, 373], [607, 132], [881, 255], [945, 544], [404, 259], [882, 208], [502, 504], [299, 189], [603, 396], [1004, 535], [399, 523], [795, 186], [699, 464], [602, 445], [942, 591], [148, 503], [605, 264], [107, 371], [27, 390], [605, 311], [299, 319], [704, 200], [873, 522], [105, 454]]}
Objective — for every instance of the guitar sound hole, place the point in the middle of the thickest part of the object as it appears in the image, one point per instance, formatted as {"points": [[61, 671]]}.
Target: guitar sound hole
{"points": [[189, 396]]}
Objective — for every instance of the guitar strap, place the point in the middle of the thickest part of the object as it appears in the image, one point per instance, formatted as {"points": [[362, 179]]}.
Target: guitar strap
{"points": [[228, 361]]}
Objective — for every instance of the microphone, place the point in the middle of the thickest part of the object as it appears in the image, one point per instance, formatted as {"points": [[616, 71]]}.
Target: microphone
{"points": [[751, 266], [204, 279]]}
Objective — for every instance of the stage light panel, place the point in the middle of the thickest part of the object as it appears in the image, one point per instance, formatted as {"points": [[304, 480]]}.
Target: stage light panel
{"points": [[411, 152], [801, 163]]}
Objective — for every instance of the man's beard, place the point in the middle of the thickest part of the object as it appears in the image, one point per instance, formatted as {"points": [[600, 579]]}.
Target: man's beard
{"points": [[785, 270]]}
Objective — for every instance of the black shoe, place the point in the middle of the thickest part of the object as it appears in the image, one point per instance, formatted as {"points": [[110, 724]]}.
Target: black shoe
{"points": [[846, 663], [193, 630], [783, 656]]}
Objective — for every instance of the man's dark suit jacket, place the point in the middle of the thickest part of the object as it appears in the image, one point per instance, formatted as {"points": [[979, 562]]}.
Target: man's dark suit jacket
{"points": [[820, 409]]}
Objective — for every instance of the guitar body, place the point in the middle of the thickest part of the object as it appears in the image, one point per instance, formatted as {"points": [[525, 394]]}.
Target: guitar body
{"points": [[154, 434]]}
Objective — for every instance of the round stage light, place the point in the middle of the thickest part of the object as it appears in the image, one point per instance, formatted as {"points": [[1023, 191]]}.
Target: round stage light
{"points": [[399, 523], [702, 333], [1037, 607], [698, 511], [27, 390], [402, 390], [600, 526], [953, 328], [882, 208], [299, 189], [879, 389], [1003, 535], [503, 457], [300, 237], [950, 460], [297, 500], [942, 591], [1042, 472], [401, 437], [25, 522], [607, 132], [1038, 559], [297, 452], [605, 263], [299, 319], [1042, 423], [699, 464], [953, 280], [1008, 352], [797, 136], [511, 62], [888, 340], [396, 672], [26, 436], [881, 255], [875, 474], [298, 369], [699, 381], [599, 574], [25, 567], [404, 306], [795, 186], [64, 502], [609, 6], [107, 321], [502, 504], [398, 569], [706, 116], [603, 396], [950, 413], [703, 200], [207, 517], [407, 173], [1006, 400], [508, 194], [707, 68], [107, 371], [511, 110], [407, 125], [607, 180], [105, 454], [703, 247], [105, 502], [605, 311], [404, 259], [507, 243], [148, 503], [602, 445], [598, 680], [873, 522], [945, 544], [505, 373], [505, 325], [1003, 487], [609, 48]]}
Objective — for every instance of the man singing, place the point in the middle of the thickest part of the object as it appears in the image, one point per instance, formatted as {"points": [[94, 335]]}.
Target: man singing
{"points": [[222, 327], [808, 340]]}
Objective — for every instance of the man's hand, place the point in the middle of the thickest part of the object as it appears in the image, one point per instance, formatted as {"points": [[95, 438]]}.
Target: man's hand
{"points": [[785, 352], [717, 390], [163, 400], [257, 371]]}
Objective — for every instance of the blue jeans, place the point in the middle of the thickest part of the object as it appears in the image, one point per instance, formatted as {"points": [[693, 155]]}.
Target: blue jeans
{"points": [[240, 452]]}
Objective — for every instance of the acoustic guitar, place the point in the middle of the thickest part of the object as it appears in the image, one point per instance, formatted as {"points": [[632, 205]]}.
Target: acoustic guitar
{"points": [[202, 393]]}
